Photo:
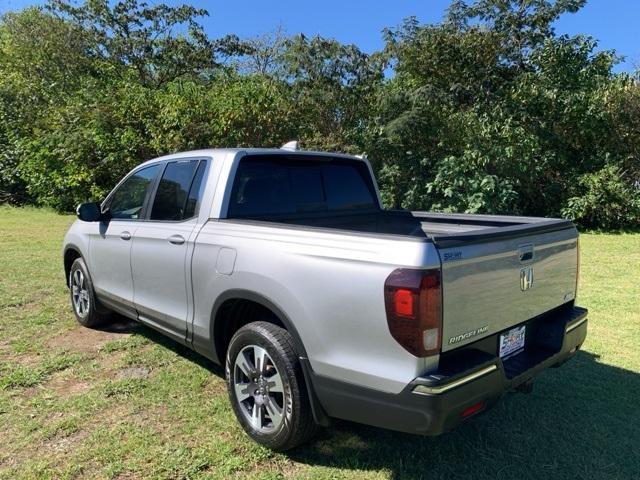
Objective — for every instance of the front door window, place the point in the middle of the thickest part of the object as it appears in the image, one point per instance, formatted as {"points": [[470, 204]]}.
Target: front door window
{"points": [[127, 201]]}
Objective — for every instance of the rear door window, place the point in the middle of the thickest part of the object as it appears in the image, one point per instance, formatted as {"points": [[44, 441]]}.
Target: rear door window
{"points": [[177, 195], [195, 193]]}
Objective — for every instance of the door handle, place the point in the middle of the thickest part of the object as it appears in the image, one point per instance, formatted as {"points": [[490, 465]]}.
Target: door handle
{"points": [[176, 239], [125, 236]]}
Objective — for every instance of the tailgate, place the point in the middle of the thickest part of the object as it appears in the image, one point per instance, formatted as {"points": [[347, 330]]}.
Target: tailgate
{"points": [[490, 285]]}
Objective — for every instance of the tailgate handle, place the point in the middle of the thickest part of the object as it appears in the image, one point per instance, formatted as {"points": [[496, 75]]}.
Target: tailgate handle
{"points": [[526, 256], [525, 252]]}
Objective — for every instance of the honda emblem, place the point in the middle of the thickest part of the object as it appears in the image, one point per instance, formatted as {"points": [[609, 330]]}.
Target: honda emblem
{"points": [[526, 278]]}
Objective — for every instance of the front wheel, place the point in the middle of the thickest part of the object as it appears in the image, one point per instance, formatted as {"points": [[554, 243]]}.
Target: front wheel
{"points": [[267, 388], [86, 308]]}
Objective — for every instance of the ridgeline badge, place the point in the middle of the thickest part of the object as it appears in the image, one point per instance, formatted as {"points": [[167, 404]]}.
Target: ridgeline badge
{"points": [[470, 334]]}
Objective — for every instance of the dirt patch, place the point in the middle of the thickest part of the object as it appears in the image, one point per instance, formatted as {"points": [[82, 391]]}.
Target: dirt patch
{"points": [[67, 387], [156, 417], [128, 476], [28, 305], [20, 304], [23, 359], [66, 443], [134, 373], [88, 340]]}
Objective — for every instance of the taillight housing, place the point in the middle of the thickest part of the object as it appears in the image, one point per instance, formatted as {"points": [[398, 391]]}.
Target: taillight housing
{"points": [[575, 294], [413, 301]]}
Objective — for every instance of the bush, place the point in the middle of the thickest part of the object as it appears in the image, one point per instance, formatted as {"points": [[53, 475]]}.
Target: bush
{"points": [[609, 200]]}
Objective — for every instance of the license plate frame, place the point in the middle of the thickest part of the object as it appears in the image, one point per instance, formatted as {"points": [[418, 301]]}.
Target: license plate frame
{"points": [[512, 341]]}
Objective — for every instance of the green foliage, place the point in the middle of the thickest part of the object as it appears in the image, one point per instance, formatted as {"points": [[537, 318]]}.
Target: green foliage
{"points": [[609, 201], [491, 112], [135, 34], [521, 25], [488, 111], [332, 87]]}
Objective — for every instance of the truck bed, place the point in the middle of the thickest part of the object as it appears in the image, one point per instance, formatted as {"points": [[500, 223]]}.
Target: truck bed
{"points": [[446, 230], [484, 259]]}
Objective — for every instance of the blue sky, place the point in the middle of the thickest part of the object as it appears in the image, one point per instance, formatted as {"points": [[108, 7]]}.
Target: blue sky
{"points": [[614, 23]]}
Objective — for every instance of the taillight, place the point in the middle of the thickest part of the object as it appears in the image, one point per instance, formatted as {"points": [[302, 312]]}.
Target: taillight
{"points": [[413, 301], [575, 294]]}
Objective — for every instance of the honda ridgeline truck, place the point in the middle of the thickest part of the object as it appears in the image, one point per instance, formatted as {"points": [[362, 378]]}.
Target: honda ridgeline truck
{"points": [[284, 267]]}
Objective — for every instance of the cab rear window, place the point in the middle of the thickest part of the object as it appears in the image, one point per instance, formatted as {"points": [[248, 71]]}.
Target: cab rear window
{"points": [[269, 185]]}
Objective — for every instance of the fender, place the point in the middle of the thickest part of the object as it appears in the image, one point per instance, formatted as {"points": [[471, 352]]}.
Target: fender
{"points": [[318, 411]]}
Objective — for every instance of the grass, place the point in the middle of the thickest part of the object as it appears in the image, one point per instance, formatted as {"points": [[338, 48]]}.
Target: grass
{"points": [[128, 403]]}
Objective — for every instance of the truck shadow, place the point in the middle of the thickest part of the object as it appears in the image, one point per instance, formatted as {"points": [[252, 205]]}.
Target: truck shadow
{"points": [[121, 324], [581, 421]]}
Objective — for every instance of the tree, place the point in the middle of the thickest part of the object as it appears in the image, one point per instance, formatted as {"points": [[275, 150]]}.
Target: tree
{"points": [[523, 25], [42, 61], [334, 86], [262, 54], [160, 42]]}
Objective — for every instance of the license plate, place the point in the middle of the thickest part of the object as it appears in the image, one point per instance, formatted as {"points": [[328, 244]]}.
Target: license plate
{"points": [[512, 341]]}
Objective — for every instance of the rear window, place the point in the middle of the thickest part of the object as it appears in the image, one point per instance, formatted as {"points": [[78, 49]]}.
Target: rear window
{"points": [[269, 185]]}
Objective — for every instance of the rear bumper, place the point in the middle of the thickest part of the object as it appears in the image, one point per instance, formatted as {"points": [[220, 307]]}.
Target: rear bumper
{"points": [[434, 404]]}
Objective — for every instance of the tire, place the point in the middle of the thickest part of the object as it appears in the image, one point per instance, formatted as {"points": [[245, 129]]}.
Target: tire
{"points": [[88, 311], [269, 397]]}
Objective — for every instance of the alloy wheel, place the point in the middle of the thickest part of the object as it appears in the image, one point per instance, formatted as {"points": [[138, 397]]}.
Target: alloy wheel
{"points": [[258, 389], [80, 293]]}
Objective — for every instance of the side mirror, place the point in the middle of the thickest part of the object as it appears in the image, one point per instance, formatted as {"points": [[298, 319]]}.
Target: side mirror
{"points": [[89, 212]]}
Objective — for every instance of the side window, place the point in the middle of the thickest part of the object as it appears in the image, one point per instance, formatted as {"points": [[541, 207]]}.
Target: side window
{"points": [[196, 191], [176, 197], [127, 201]]}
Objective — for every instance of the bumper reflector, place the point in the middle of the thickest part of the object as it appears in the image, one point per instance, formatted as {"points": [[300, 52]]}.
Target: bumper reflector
{"points": [[473, 409]]}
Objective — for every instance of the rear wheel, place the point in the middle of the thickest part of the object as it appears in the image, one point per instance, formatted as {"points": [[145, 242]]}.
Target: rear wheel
{"points": [[86, 308], [267, 388]]}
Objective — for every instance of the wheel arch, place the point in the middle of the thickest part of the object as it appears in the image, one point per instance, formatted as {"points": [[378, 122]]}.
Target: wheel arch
{"points": [[71, 253], [240, 295], [217, 322]]}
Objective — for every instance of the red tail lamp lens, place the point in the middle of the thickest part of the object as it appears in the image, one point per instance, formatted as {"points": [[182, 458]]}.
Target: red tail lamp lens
{"points": [[403, 302], [413, 301]]}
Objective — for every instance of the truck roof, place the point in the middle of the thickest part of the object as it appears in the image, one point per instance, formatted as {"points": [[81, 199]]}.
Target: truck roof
{"points": [[216, 152]]}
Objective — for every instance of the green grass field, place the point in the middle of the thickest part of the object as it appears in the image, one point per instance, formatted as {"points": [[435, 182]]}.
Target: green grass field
{"points": [[127, 403]]}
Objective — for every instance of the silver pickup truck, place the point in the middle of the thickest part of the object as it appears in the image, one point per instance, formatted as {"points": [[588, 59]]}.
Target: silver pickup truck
{"points": [[283, 266]]}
